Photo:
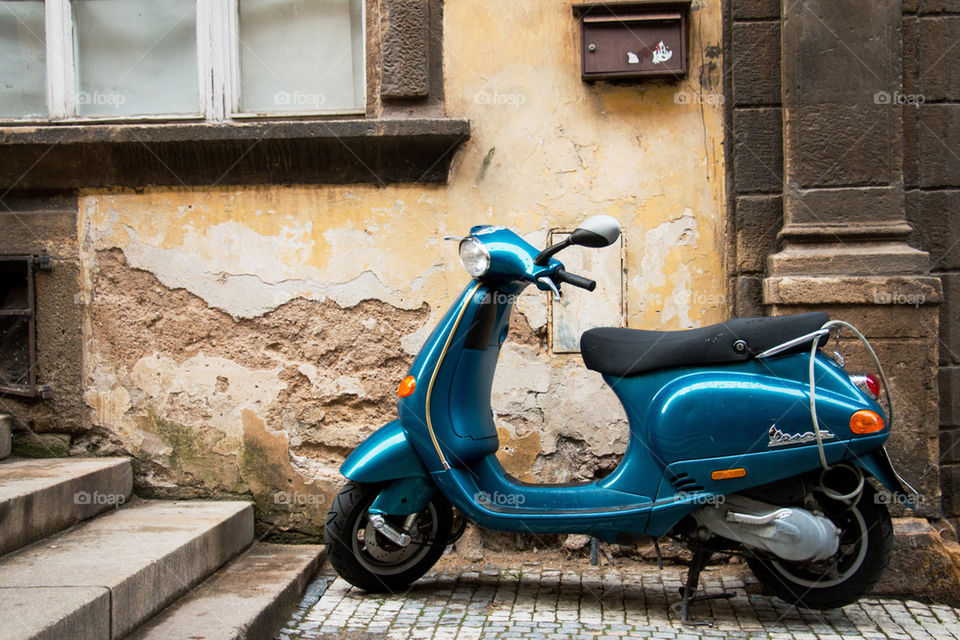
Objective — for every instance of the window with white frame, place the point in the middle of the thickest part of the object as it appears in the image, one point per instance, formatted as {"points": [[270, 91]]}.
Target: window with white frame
{"points": [[82, 60]]}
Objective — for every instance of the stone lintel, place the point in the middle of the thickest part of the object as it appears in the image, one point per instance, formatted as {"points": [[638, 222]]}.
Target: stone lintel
{"points": [[840, 258], [825, 232], [889, 291]]}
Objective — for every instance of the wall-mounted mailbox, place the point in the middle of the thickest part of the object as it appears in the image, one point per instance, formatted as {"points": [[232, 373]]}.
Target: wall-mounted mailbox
{"points": [[623, 41]]}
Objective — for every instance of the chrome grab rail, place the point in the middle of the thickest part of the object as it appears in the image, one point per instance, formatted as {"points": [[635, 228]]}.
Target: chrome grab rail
{"points": [[772, 351]]}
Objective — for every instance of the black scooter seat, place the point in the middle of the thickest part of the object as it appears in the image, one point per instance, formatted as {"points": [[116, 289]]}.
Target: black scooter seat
{"points": [[630, 352]]}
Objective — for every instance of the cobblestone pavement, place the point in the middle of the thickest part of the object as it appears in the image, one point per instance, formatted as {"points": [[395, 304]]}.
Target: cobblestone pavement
{"points": [[544, 603]]}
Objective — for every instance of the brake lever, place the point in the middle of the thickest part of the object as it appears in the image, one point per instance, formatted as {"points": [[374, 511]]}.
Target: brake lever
{"points": [[453, 238], [551, 285]]}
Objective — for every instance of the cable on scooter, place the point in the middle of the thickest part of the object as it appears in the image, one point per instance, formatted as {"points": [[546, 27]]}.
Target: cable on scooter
{"points": [[850, 498], [813, 401]]}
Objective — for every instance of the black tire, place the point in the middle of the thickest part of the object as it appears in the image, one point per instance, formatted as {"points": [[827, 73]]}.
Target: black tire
{"points": [[812, 586], [365, 558]]}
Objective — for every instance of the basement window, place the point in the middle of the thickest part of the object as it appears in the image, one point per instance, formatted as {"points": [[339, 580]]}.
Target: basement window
{"points": [[18, 348]]}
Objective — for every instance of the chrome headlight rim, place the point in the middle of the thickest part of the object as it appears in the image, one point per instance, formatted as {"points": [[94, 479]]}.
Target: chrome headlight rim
{"points": [[474, 256]]}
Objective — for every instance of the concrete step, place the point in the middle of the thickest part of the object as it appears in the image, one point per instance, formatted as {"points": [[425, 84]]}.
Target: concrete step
{"points": [[40, 496], [54, 613], [6, 439], [146, 555], [250, 598]]}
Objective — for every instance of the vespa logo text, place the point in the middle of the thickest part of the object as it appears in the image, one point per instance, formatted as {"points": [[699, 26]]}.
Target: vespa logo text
{"points": [[779, 438]]}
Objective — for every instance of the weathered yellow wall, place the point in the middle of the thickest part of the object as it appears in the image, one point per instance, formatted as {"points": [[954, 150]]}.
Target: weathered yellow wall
{"points": [[243, 340]]}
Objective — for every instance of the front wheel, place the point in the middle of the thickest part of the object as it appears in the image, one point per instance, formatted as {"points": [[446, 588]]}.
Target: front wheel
{"points": [[866, 541], [365, 558]]}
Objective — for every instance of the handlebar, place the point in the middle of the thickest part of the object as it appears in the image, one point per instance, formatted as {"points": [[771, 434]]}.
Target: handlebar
{"points": [[561, 276]]}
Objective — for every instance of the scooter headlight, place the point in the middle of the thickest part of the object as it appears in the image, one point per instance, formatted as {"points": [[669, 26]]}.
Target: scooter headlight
{"points": [[474, 256]]}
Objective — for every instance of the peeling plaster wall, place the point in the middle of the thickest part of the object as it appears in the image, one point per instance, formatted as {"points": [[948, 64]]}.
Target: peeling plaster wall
{"points": [[242, 340]]}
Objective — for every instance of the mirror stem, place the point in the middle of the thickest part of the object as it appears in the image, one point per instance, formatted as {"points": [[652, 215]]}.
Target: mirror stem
{"points": [[544, 256]]}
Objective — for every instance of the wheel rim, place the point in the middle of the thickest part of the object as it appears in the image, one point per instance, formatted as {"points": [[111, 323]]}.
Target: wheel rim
{"points": [[380, 556], [849, 558]]}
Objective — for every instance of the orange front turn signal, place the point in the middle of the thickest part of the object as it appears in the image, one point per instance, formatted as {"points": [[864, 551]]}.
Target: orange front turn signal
{"points": [[728, 474], [407, 386], [865, 421]]}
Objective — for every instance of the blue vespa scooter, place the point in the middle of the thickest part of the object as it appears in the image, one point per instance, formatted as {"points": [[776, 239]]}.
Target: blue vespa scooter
{"points": [[745, 438]]}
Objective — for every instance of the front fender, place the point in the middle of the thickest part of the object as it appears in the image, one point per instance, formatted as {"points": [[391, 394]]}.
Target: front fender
{"points": [[386, 455]]}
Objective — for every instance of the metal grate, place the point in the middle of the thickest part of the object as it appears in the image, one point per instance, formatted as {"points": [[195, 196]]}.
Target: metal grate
{"points": [[18, 343], [685, 483]]}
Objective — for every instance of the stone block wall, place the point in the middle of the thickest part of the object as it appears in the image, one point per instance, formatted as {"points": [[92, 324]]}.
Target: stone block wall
{"points": [[755, 144], [931, 173]]}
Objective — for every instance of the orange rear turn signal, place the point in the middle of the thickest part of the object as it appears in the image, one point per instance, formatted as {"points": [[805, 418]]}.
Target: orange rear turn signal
{"points": [[407, 386], [865, 421], [728, 474]]}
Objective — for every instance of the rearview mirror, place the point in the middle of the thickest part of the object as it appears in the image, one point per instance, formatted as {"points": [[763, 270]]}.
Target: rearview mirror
{"points": [[597, 231]]}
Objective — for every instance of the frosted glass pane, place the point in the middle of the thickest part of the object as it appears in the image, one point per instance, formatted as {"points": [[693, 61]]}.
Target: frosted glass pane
{"points": [[23, 76], [301, 55], [136, 57]]}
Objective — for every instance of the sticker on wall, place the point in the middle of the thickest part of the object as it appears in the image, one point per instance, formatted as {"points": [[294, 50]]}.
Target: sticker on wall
{"points": [[632, 58], [661, 53]]}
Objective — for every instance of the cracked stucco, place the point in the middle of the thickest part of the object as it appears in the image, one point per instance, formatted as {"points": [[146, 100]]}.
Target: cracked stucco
{"points": [[249, 302]]}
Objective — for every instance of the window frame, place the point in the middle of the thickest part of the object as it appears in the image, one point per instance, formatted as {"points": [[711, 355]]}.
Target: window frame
{"points": [[218, 71]]}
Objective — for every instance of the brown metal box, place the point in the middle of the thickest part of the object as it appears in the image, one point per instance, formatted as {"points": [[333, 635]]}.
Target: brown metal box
{"points": [[633, 40]]}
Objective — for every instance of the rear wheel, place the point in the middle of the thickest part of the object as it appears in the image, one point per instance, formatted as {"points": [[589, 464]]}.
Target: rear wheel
{"points": [[365, 558], [866, 541]]}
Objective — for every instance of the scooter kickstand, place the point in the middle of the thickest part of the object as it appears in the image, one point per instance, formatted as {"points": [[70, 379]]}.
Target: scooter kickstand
{"points": [[688, 592]]}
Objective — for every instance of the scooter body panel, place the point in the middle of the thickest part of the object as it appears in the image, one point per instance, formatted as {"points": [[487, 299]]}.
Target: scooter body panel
{"points": [[735, 410], [648, 492]]}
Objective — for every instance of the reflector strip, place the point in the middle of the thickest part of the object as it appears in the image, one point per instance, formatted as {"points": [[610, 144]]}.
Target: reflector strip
{"points": [[728, 474]]}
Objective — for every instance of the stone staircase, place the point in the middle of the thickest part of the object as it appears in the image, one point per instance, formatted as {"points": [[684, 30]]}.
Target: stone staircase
{"points": [[81, 559]]}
